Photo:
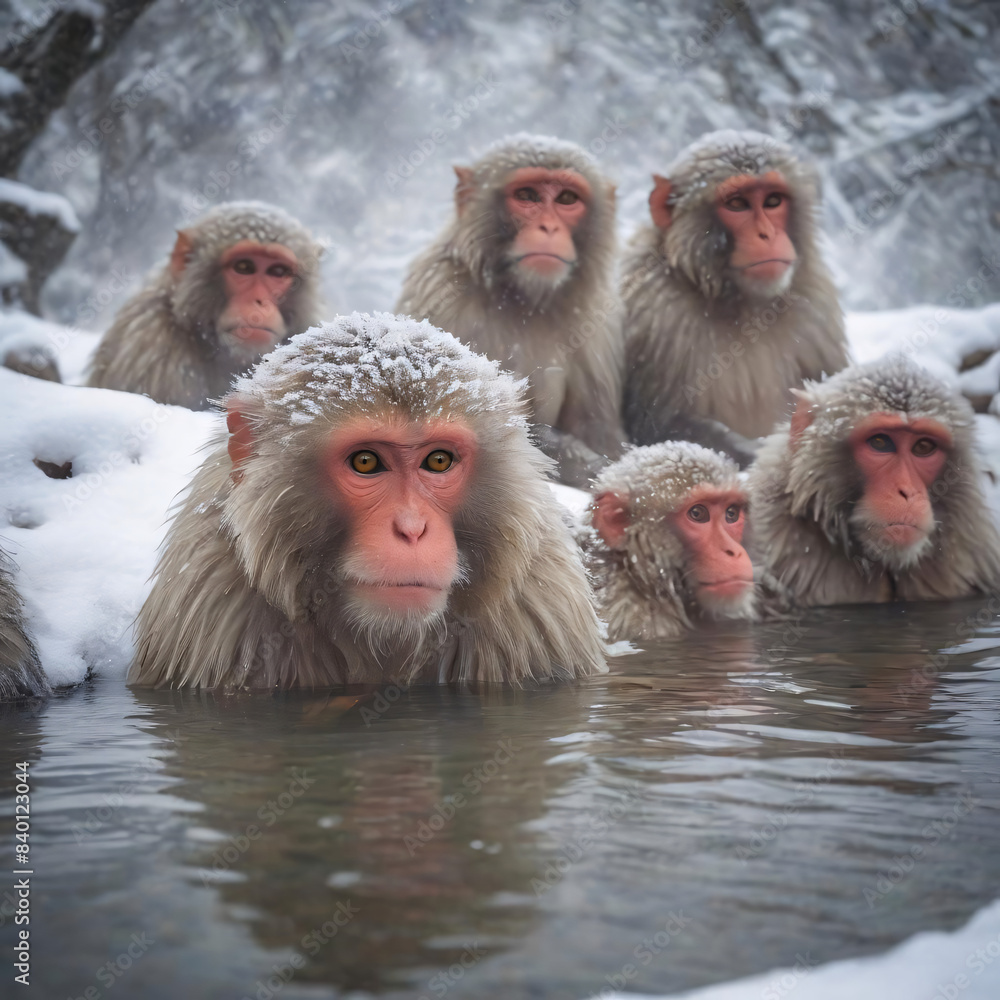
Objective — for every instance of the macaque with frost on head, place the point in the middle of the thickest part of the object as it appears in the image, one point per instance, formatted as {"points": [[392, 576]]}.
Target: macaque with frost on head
{"points": [[241, 280], [377, 514], [524, 273], [728, 304], [871, 494], [666, 545]]}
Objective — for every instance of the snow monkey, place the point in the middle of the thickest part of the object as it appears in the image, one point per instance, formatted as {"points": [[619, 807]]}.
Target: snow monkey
{"points": [[21, 674], [378, 513], [870, 494], [728, 305], [666, 548], [238, 282], [525, 273]]}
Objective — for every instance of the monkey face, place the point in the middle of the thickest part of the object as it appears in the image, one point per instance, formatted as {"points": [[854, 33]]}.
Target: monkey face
{"points": [[898, 461], [544, 207], [719, 573], [256, 279], [755, 212], [399, 486]]}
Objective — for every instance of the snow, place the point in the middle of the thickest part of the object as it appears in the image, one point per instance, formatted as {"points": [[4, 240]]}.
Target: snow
{"points": [[933, 965], [9, 84], [40, 203], [13, 270], [84, 547]]}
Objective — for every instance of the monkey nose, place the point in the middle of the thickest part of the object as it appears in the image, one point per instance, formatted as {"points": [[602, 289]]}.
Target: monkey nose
{"points": [[409, 526]]}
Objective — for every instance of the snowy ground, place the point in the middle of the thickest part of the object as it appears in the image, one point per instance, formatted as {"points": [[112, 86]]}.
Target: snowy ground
{"points": [[929, 966], [85, 546]]}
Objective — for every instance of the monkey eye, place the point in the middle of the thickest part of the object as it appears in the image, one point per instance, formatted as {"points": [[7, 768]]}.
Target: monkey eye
{"points": [[733, 513], [924, 447], [737, 204], [367, 463], [279, 271], [527, 194], [774, 199], [699, 513], [244, 266], [438, 461], [881, 442], [567, 197]]}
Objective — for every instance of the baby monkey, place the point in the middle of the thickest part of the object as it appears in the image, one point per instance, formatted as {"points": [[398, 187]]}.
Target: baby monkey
{"points": [[666, 545]]}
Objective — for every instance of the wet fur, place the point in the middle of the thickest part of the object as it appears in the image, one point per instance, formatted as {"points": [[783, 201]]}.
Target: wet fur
{"points": [[682, 309], [463, 283], [804, 500], [21, 674], [248, 588], [163, 342], [642, 589]]}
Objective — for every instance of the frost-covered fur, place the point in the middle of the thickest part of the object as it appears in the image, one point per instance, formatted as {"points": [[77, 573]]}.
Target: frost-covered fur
{"points": [[695, 345], [803, 499], [21, 674], [642, 590], [163, 342], [248, 589], [567, 340]]}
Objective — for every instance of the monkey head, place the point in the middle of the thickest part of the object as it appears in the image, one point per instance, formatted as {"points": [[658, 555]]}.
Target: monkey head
{"points": [[386, 458], [245, 278], [676, 512], [732, 210], [528, 212], [874, 460]]}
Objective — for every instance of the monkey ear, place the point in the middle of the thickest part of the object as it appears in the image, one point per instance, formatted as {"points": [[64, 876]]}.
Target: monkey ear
{"points": [[661, 212], [464, 189], [801, 418], [611, 518], [240, 441], [181, 252]]}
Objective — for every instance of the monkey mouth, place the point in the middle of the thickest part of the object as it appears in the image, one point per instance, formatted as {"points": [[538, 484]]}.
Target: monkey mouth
{"points": [[777, 264], [547, 264], [734, 586], [253, 336], [903, 534], [402, 595]]}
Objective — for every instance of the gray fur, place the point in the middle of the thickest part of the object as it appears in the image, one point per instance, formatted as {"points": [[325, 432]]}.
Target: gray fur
{"points": [[21, 674], [163, 342], [803, 499], [567, 343], [642, 590], [694, 343], [247, 590]]}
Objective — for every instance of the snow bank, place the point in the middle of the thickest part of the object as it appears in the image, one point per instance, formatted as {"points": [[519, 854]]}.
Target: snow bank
{"points": [[937, 337], [964, 965], [40, 203], [85, 545]]}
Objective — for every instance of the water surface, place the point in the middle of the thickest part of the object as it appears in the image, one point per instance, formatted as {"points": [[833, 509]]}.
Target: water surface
{"points": [[718, 806]]}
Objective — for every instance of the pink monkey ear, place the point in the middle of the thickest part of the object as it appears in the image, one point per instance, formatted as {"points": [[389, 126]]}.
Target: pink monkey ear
{"points": [[465, 188], [181, 253], [801, 418], [241, 441], [661, 213], [611, 518]]}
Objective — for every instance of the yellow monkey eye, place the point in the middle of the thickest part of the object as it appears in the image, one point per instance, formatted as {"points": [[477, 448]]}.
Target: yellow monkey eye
{"points": [[365, 462], [439, 461]]}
